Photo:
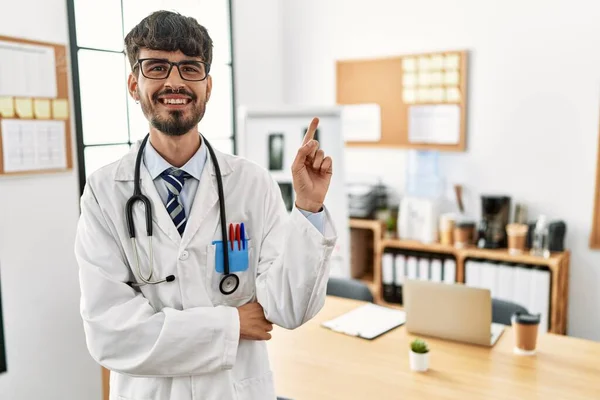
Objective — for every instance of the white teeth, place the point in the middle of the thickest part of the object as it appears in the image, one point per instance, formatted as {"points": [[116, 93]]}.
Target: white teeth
{"points": [[175, 101]]}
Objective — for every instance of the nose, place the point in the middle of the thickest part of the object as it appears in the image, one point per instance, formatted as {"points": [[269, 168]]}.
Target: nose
{"points": [[174, 80]]}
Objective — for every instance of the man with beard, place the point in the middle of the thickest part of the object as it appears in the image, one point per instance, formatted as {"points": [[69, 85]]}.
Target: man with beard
{"points": [[161, 310]]}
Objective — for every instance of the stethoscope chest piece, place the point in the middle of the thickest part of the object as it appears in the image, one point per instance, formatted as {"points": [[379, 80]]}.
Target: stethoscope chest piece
{"points": [[229, 284]]}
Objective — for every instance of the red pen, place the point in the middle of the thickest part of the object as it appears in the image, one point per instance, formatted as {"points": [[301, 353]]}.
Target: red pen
{"points": [[231, 239], [237, 236]]}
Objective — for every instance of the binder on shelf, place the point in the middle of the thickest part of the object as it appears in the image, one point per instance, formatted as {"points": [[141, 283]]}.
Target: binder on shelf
{"points": [[399, 277], [387, 276], [424, 268], [449, 270], [436, 270], [487, 276], [412, 267], [523, 282], [539, 296], [472, 273], [506, 281]]}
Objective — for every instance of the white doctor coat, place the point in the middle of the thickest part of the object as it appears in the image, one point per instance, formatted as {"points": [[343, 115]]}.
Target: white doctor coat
{"points": [[180, 340]]}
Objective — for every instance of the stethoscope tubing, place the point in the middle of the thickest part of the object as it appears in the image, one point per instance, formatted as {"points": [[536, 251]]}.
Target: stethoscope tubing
{"points": [[139, 196]]}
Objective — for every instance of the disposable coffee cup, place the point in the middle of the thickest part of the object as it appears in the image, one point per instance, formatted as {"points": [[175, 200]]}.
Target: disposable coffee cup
{"points": [[517, 237], [525, 329]]}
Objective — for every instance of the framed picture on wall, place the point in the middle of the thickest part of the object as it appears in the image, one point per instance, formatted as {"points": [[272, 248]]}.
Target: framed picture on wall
{"points": [[276, 150], [287, 192]]}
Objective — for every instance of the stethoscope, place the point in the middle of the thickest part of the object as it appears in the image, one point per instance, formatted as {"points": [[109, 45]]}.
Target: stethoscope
{"points": [[229, 282]]}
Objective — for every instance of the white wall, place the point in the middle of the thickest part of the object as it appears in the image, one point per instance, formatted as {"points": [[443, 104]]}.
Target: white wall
{"points": [[533, 94], [257, 52], [46, 353]]}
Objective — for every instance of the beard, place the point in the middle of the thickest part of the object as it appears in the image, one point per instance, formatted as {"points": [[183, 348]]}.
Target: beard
{"points": [[176, 124]]}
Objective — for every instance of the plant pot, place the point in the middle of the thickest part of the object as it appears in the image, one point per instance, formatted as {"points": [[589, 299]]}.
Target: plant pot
{"points": [[419, 361]]}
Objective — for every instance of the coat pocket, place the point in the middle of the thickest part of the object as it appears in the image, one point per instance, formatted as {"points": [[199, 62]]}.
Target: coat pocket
{"points": [[261, 387], [135, 388], [215, 273]]}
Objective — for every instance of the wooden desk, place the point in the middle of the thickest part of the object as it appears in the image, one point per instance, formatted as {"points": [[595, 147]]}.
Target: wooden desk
{"points": [[315, 363]]}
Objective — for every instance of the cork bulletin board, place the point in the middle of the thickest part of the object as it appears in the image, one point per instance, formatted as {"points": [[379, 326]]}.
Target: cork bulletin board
{"points": [[35, 125], [422, 98]]}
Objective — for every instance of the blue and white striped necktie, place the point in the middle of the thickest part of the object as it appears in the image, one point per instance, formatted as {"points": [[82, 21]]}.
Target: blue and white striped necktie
{"points": [[175, 179]]}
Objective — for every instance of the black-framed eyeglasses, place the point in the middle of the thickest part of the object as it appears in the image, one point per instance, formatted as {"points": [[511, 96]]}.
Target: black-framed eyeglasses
{"points": [[159, 68]]}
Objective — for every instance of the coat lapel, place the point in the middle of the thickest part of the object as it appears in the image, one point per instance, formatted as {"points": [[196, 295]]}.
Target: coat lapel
{"points": [[160, 216], [204, 215]]}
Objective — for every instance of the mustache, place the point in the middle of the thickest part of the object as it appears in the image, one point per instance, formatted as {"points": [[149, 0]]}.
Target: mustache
{"points": [[171, 91]]}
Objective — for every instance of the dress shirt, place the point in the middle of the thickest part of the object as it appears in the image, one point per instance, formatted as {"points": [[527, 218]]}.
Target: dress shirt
{"points": [[156, 164]]}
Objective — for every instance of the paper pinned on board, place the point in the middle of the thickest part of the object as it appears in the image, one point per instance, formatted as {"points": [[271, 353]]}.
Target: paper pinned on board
{"points": [[27, 70], [24, 108], [41, 108], [361, 122], [60, 109], [7, 107], [438, 124], [33, 145]]}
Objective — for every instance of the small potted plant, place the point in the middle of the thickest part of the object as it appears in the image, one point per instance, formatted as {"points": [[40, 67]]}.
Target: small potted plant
{"points": [[419, 355]]}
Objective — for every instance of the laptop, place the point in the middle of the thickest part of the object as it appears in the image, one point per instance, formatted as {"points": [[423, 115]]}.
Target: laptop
{"points": [[450, 311]]}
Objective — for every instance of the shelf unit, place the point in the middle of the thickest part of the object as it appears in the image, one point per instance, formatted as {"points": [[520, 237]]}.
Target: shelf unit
{"points": [[370, 273], [557, 264]]}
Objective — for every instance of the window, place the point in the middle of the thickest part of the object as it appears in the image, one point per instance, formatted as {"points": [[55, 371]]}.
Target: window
{"points": [[107, 120]]}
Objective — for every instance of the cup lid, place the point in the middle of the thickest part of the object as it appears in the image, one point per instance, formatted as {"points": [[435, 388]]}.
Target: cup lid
{"points": [[465, 224], [526, 318]]}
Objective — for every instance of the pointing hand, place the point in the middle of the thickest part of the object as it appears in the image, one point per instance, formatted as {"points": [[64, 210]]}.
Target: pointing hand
{"points": [[311, 172]]}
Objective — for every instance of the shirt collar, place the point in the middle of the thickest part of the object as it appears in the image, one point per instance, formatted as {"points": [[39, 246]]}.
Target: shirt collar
{"points": [[156, 164]]}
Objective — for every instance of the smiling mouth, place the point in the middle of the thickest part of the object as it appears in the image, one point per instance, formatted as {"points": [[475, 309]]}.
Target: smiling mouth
{"points": [[175, 102]]}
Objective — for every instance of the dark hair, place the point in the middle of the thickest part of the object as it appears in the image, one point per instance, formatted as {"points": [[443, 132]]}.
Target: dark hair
{"points": [[169, 31]]}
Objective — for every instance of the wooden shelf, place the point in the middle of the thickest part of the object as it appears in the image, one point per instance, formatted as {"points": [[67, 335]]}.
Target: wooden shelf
{"points": [[557, 264], [374, 225], [417, 246], [474, 252]]}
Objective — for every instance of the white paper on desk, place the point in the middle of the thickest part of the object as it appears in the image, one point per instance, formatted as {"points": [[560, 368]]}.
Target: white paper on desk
{"points": [[367, 321], [33, 145], [361, 122], [434, 124], [27, 70]]}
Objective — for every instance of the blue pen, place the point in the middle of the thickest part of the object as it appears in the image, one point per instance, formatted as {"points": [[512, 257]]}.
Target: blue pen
{"points": [[243, 235]]}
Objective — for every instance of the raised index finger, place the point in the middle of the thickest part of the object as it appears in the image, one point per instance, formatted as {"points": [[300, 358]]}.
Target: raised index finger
{"points": [[310, 132]]}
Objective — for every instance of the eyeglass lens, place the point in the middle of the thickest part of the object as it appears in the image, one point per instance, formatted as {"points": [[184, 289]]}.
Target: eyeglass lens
{"points": [[158, 69]]}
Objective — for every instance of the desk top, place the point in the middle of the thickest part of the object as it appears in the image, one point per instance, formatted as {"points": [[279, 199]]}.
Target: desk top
{"points": [[314, 363]]}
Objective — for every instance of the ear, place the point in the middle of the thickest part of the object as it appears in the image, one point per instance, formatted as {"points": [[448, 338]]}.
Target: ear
{"points": [[208, 87], [132, 85]]}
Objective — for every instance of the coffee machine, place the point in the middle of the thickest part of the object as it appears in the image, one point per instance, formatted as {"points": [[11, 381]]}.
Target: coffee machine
{"points": [[495, 214]]}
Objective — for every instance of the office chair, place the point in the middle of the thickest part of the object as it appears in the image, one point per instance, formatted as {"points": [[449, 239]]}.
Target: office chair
{"points": [[349, 288], [503, 310]]}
